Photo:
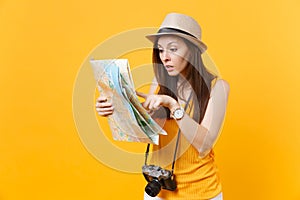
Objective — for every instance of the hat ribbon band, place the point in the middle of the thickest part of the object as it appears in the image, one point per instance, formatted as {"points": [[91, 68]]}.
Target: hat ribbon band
{"points": [[172, 30]]}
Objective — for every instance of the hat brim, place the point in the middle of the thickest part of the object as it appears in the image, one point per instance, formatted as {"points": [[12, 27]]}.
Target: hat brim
{"points": [[195, 41]]}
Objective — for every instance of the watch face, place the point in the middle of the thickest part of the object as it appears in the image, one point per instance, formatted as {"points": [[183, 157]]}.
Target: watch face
{"points": [[178, 114]]}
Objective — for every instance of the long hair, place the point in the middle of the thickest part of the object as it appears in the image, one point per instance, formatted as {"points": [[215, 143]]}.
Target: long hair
{"points": [[197, 76]]}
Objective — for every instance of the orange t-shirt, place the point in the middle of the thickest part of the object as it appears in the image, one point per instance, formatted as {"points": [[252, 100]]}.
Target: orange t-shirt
{"points": [[197, 178]]}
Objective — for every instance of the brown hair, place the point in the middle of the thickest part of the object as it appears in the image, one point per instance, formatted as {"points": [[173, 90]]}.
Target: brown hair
{"points": [[197, 76]]}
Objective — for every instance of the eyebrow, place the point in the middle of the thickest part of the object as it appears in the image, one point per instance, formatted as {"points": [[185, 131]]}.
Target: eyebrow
{"points": [[170, 43]]}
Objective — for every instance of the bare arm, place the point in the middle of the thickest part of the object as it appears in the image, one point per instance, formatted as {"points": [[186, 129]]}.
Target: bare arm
{"points": [[153, 86], [203, 136]]}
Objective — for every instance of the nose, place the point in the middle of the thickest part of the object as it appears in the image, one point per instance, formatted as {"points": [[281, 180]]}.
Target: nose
{"points": [[165, 56]]}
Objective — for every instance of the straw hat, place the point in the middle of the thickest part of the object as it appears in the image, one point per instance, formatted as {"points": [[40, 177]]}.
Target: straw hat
{"points": [[180, 25]]}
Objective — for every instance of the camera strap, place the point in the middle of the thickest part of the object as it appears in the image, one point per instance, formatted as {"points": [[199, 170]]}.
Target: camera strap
{"points": [[177, 140]]}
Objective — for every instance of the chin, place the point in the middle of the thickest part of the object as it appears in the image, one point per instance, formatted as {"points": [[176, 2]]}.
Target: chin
{"points": [[173, 73]]}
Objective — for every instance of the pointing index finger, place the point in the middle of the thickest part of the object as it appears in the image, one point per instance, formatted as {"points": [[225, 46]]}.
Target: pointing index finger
{"points": [[140, 94]]}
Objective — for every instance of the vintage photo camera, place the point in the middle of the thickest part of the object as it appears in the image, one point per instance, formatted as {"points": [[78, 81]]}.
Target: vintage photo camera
{"points": [[158, 178]]}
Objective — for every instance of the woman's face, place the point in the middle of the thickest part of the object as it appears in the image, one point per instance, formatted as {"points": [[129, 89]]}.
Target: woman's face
{"points": [[174, 54]]}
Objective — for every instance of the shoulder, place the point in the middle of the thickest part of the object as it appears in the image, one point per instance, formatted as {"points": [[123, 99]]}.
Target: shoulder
{"points": [[221, 83], [220, 86]]}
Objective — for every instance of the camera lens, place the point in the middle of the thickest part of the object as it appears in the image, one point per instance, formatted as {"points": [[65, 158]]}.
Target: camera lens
{"points": [[153, 188]]}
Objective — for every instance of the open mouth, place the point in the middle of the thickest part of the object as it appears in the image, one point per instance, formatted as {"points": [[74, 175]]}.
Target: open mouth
{"points": [[169, 68]]}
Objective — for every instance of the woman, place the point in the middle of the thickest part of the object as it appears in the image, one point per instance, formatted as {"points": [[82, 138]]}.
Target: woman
{"points": [[189, 99]]}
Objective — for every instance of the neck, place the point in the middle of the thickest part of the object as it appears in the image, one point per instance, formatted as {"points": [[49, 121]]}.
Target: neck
{"points": [[184, 88], [181, 80]]}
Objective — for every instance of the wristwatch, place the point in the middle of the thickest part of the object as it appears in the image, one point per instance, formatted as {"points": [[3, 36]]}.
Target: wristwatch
{"points": [[178, 113]]}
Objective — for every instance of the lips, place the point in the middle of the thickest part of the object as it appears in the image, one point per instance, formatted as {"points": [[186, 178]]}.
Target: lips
{"points": [[169, 68]]}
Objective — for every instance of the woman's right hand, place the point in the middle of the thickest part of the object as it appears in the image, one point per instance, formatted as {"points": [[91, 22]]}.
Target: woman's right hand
{"points": [[103, 107]]}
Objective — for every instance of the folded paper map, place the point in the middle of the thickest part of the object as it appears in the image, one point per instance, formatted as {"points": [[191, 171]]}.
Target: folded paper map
{"points": [[129, 121]]}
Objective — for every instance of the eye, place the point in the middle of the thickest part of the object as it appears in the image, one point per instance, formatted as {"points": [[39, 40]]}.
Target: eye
{"points": [[173, 49], [160, 50]]}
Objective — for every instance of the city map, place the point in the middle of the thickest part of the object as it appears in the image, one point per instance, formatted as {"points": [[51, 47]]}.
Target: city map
{"points": [[129, 121]]}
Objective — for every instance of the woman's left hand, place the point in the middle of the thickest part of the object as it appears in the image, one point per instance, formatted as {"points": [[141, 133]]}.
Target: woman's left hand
{"points": [[154, 101]]}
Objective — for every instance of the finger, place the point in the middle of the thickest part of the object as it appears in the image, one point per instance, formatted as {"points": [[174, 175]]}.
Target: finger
{"points": [[151, 103], [103, 105], [101, 99], [105, 114], [140, 94], [107, 109], [156, 105], [147, 103]]}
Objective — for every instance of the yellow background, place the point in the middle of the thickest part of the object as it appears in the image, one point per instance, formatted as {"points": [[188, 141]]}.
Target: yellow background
{"points": [[43, 44]]}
